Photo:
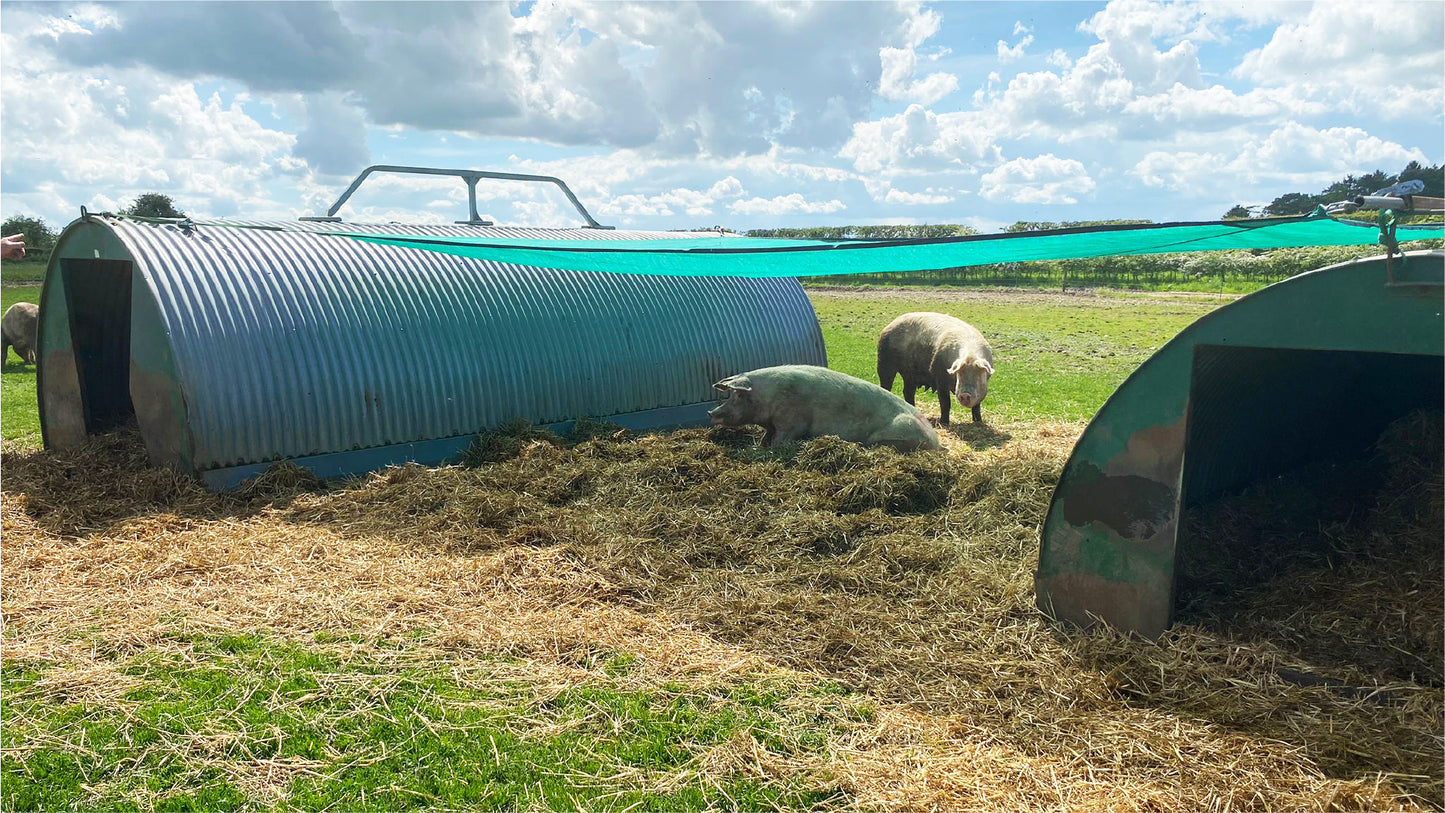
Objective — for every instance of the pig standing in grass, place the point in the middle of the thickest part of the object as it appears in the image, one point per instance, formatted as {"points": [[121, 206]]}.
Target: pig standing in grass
{"points": [[17, 327], [795, 402], [938, 352]]}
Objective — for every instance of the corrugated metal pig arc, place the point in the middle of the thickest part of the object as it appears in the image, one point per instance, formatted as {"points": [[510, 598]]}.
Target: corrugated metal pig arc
{"points": [[296, 372], [287, 343], [391, 394], [447, 365]]}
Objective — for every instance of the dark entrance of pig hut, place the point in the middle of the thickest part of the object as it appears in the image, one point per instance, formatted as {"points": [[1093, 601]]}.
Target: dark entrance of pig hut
{"points": [[238, 344], [1321, 531], [84, 339], [100, 334], [1312, 376]]}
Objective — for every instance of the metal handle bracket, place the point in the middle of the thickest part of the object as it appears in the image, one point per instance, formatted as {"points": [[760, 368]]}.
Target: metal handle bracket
{"points": [[470, 176]]}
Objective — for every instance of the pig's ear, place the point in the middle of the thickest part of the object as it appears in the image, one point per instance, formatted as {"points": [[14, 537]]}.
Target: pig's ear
{"points": [[955, 366], [987, 367], [736, 383]]}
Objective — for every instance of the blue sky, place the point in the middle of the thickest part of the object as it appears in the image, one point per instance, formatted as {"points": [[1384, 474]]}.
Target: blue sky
{"points": [[742, 115]]}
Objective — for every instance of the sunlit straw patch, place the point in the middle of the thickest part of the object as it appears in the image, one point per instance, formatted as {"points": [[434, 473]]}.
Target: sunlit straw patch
{"points": [[700, 562]]}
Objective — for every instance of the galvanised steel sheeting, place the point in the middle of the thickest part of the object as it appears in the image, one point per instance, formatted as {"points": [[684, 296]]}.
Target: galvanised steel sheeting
{"points": [[287, 343]]}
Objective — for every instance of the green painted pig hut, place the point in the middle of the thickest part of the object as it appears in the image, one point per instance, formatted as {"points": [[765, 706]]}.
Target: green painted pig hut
{"points": [[1301, 371]]}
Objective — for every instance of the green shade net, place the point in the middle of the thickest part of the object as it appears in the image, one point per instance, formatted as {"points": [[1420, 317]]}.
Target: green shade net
{"points": [[731, 256]]}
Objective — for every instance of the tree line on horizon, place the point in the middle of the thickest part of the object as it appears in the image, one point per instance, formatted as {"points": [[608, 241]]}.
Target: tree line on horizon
{"points": [[40, 238], [1299, 203]]}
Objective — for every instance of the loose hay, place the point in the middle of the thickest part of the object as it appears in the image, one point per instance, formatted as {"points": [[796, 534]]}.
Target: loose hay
{"points": [[1341, 561], [709, 559]]}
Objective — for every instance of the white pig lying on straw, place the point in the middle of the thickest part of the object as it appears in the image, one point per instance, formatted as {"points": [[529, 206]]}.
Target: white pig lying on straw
{"points": [[795, 402]]}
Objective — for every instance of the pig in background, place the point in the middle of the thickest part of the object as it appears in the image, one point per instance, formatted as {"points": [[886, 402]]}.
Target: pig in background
{"points": [[795, 402], [939, 352], [17, 328]]}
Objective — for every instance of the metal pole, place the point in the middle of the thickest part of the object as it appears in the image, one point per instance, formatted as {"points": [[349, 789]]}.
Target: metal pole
{"points": [[472, 202]]}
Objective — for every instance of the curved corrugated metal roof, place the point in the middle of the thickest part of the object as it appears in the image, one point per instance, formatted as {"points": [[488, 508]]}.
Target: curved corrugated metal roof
{"points": [[288, 343]]}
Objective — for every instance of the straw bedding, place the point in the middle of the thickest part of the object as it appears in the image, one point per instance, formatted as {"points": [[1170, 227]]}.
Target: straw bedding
{"points": [[1351, 548], [906, 578]]}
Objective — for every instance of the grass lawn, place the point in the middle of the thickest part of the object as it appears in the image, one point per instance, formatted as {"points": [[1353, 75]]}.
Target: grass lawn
{"points": [[332, 725], [1056, 356], [19, 419], [25, 272]]}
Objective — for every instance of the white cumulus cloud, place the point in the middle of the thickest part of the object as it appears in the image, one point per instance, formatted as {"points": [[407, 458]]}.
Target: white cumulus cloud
{"points": [[920, 140], [1008, 53], [682, 78], [692, 202], [784, 205], [1045, 179], [659, 115], [1381, 57], [1293, 158], [900, 65], [117, 137], [1087, 96], [899, 197]]}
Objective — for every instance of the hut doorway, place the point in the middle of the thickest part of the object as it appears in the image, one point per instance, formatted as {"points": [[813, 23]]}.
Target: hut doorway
{"points": [[1311, 496], [97, 298]]}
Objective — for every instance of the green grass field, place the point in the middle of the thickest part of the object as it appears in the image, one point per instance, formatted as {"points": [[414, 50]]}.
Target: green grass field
{"points": [[1056, 356], [25, 272], [19, 420], [350, 731]]}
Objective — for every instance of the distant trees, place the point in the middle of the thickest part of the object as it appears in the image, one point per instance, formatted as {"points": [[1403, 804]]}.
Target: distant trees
{"points": [[1044, 225], [1298, 203], [1352, 186], [153, 204], [1433, 177], [894, 232], [1292, 203], [39, 238], [899, 232]]}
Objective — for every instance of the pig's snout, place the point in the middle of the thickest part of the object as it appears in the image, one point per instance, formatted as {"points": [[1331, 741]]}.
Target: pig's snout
{"points": [[966, 399]]}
